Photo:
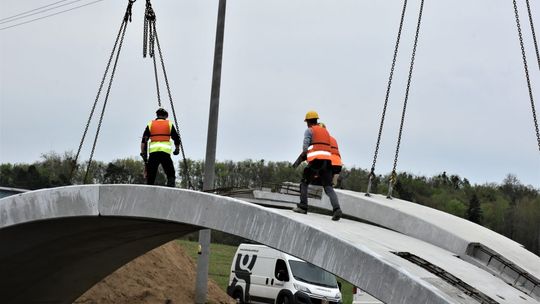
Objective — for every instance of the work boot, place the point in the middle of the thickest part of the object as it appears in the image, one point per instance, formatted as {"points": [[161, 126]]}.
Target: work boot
{"points": [[299, 210], [337, 215]]}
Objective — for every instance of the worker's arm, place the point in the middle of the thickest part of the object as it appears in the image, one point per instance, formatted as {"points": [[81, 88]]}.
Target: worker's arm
{"points": [[144, 143], [308, 135], [302, 157], [176, 138]]}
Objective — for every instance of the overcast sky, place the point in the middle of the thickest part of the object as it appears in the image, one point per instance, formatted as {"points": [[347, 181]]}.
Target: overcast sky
{"points": [[468, 111]]}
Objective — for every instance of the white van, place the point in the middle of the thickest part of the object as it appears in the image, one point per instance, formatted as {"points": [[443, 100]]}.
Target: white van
{"points": [[260, 274]]}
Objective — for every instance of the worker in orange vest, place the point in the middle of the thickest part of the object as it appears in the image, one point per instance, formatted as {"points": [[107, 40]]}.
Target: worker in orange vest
{"points": [[317, 151], [337, 164], [160, 131]]}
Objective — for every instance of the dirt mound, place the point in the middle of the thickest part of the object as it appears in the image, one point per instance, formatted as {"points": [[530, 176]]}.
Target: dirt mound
{"points": [[163, 275]]}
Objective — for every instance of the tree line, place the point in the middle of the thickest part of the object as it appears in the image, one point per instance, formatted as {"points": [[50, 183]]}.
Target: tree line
{"points": [[509, 208]]}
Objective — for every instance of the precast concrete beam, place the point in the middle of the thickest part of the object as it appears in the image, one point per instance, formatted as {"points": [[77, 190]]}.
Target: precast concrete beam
{"points": [[82, 233], [442, 229]]}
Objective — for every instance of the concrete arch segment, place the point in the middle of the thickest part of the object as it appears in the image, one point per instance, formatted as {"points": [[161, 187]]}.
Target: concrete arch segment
{"points": [[62, 258], [442, 229], [119, 222], [54, 245]]}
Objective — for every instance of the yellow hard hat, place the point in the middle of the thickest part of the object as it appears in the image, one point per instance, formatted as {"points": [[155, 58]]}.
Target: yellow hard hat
{"points": [[311, 115]]}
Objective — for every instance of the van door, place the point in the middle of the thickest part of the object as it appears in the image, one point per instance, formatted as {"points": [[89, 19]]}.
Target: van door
{"points": [[281, 277], [262, 280], [265, 285]]}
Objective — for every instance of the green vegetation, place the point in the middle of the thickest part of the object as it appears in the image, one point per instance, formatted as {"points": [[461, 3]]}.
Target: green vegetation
{"points": [[221, 257], [346, 291], [509, 208]]}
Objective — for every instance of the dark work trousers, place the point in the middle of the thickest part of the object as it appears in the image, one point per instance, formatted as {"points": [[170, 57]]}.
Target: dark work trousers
{"points": [[163, 158], [322, 170]]}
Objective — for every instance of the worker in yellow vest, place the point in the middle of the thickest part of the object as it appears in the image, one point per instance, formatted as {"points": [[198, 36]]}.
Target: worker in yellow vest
{"points": [[159, 132], [317, 151]]}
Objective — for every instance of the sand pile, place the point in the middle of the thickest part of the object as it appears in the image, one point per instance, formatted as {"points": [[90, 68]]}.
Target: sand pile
{"points": [[163, 275]]}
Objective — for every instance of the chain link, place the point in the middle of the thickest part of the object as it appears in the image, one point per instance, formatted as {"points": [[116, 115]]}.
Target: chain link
{"points": [[533, 33], [396, 48], [406, 96], [526, 68], [149, 42], [148, 32], [157, 81]]}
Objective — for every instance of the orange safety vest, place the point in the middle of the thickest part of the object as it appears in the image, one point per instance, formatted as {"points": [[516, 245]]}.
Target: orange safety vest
{"points": [[160, 135], [160, 130], [336, 157], [320, 144]]}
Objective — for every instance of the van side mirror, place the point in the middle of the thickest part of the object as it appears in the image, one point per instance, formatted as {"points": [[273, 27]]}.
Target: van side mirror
{"points": [[339, 285], [282, 275]]}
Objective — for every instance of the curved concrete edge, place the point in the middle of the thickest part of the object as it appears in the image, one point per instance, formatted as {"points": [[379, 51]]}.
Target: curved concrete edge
{"points": [[49, 203], [386, 243], [358, 266], [430, 225], [57, 260], [262, 225]]}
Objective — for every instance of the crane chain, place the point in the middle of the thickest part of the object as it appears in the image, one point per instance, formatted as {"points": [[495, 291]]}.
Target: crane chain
{"points": [[105, 102], [151, 39], [157, 81], [393, 177], [126, 18], [396, 48], [533, 33], [526, 68], [186, 168], [148, 39], [148, 42]]}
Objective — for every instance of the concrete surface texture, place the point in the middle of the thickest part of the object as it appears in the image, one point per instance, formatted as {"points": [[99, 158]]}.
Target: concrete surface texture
{"points": [[56, 243]]}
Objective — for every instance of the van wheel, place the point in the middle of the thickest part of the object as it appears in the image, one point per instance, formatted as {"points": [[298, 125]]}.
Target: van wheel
{"points": [[284, 299], [237, 296]]}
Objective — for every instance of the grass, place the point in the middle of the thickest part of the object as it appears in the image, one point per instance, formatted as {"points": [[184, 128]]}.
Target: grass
{"points": [[221, 257]]}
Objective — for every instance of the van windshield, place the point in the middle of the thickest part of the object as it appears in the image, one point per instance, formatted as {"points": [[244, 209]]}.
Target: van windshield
{"points": [[312, 274]]}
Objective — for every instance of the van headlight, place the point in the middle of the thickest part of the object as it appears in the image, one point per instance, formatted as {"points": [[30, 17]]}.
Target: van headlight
{"points": [[301, 288], [338, 295]]}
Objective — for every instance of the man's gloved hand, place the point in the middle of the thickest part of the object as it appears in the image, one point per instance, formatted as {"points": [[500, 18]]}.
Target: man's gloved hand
{"points": [[300, 159], [143, 155], [176, 151]]}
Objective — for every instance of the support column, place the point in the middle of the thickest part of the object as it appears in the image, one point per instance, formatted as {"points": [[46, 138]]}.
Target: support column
{"points": [[201, 284]]}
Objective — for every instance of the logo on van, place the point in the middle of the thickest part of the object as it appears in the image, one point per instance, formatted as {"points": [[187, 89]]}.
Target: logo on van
{"points": [[242, 271]]}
